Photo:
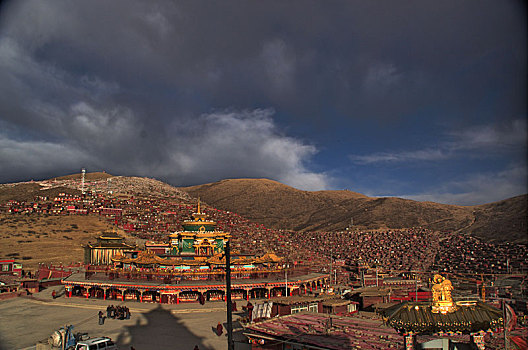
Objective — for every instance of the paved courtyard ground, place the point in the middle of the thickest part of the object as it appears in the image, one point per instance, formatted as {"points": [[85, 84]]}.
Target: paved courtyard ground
{"points": [[26, 321]]}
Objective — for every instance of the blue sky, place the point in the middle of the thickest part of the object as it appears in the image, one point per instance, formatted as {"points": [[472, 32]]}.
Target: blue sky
{"points": [[417, 99]]}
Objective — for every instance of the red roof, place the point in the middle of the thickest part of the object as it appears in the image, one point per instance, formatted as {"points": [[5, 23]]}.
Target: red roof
{"points": [[316, 330]]}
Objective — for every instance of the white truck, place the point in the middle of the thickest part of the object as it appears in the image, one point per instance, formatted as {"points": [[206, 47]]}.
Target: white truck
{"points": [[100, 343], [64, 339]]}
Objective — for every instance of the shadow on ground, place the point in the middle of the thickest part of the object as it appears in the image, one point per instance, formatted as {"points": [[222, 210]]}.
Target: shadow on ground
{"points": [[162, 331]]}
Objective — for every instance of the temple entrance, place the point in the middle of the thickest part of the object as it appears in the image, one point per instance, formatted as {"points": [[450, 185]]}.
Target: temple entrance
{"points": [[113, 294], [302, 289], [204, 248], [96, 292], [131, 295], [258, 293], [189, 296], [169, 298], [214, 295], [238, 294], [150, 296], [79, 291], [204, 251], [278, 292], [313, 286]]}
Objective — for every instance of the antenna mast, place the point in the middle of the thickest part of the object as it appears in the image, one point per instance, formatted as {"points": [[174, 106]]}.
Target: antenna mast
{"points": [[83, 171]]}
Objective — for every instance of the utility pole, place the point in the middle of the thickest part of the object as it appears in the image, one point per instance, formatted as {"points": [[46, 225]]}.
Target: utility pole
{"points": [[230, 343], [506, 339], [286, 282], [331, 266], [362, 278], [416, 289]]}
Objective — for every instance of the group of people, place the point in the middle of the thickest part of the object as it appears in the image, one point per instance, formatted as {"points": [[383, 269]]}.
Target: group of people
{"points": [[119, 312]]}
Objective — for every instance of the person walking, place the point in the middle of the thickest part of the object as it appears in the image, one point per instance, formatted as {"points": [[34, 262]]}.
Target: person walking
{"points": [[250, 309], [219, 329], [101, 318]]}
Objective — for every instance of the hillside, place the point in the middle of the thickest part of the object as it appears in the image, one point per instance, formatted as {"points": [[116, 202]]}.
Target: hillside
{"points": [[88, 176], [279, 206], [28, 191], [33, 239], [35, 226], [34, 232]]}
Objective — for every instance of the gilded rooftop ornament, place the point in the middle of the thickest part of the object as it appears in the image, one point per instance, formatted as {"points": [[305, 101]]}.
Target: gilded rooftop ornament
{"points": [[442, 300]]}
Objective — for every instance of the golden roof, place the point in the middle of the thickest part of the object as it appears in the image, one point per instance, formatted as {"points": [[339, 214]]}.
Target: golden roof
{"points": [[269, 258], [201, 234], [148, 257], [220, 259]]}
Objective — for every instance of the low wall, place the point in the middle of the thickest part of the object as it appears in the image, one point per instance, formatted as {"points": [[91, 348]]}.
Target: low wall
{"points": [[10, 295]]}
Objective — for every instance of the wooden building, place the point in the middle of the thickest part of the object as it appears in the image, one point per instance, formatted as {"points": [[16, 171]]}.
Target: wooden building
{"points": [[324, 303], [124, 287], [108, 245], [368, 296], [339, 306], [10, 267]]}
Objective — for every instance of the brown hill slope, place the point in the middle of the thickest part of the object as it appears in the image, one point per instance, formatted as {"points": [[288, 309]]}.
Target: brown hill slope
{"points": [[88, 176], [279, 206], [34, 239], [506, 219], [26, 192]]}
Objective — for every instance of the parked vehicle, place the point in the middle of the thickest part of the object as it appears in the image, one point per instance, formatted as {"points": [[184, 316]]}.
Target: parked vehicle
{"points": [[64, 338], [99, 343]]}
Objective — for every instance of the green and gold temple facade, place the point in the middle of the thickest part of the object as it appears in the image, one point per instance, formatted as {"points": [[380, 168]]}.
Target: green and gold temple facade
{"points": [[199, 237]]}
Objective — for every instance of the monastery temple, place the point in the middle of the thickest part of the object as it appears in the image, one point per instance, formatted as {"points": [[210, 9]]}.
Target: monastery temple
{"points": [[191, 266]]}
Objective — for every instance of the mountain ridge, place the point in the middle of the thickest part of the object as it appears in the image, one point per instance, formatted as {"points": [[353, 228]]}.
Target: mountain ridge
{"points": [[279, 206], [283, 207]]}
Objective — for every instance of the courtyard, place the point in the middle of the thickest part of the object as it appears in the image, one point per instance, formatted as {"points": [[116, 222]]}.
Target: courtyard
{"points": [[26, 321]]}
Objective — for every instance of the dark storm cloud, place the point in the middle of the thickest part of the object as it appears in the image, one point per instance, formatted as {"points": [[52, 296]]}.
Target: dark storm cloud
{"points": [[286, 55], [147, 87]]}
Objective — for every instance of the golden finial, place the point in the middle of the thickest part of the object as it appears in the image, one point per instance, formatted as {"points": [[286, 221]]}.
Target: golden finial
{"points": [[199, 205], [442, 300]]}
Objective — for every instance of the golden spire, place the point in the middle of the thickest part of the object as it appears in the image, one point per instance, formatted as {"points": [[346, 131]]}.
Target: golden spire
{"points": [[199, 206], [442, 300]]}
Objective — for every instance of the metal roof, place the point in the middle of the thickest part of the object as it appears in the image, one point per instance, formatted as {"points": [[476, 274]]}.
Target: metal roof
{"points": [[321, 331], [469, 317]]}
